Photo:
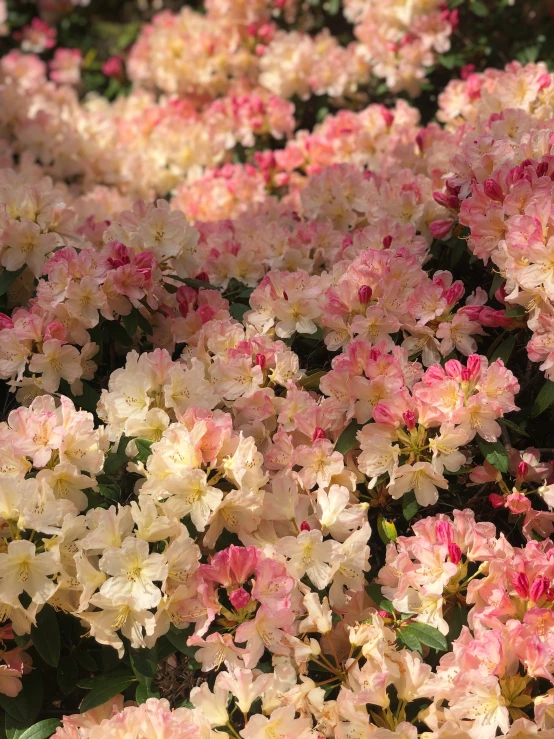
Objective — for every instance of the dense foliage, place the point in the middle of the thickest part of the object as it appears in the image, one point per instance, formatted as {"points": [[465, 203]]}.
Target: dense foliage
{"points": [[277, 370]]}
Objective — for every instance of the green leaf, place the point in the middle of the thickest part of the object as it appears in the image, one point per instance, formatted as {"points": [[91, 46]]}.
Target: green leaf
{"points": [[494, 453], [410, 506], [67, 674], [42, 730], [8, 278], [514, 427], [143, 324], [348, 439], [46, 636], [178, 638], [428, 635], [116, 459], [311, 382], [237, 310], [515, 311], [87, 401], [456, 618], [497, 280], [130, 322], [118, 333], [195, 283], [479, 8], [544, 399], [144, 691], [25, 707], [111, 491], [144, 447], [374, 592], [104, 689], [504, 351], [144, 662], [409, 639]]}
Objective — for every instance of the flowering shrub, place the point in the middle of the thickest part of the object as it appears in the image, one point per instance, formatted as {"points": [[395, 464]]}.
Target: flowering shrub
{"points": [[277, 381]]}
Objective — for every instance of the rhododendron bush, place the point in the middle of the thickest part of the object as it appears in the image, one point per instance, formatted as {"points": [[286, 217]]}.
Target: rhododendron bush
{"points": [[277, 375]]}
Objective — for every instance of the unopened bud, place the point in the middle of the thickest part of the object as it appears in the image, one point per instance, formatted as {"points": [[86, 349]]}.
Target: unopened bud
{"points": [[441, 229], [493, 190], [455, 553], [387, 241], [522, 470], [409, 420], [305, 526], [364, 294], [203, 277], [496, 501], [538, 589], [239, 598], [319, 433], [521, 584], [261, 360]]}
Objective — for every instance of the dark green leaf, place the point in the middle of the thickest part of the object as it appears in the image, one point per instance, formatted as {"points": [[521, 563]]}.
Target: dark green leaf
{"points": [[46, 636], [104, 689], [237, 310], [178, 638], [130, 322], [25, 707], [144, 662], [427, 635], [116, 458], [118, 333], [144, 447], [311, 382], [504, 351], [195, 283], [494, 453], [386, 530], [456, 618], [515, 311], [479, 8], [544, 399], [409, 639], [144, 691], [410, 506], [347, 440], [8, 278], [111, 491], [374, 592], [143, 324], [42, 730], [514, 427], [86, 401], [497, 280], [67, 674]]}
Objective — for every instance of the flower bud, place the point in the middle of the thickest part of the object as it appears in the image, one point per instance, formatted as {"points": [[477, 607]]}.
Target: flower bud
{"points": [[387, 241], [522, 470], [497, 501], [305, 526], [493, 190], [521, 584], [447, 201], [441, 229], [409, 420], [364, 294], [538, 588], [542, 169], [239, 598], [203, 277], [261, 360], [319, 433], [454, 553]]}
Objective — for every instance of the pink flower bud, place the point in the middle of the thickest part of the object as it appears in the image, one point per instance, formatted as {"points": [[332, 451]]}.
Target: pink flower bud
{"points": [[521, 584], [305, 526], [454, 553], [203, 277], [184, 309], [420, 141], [494, 318], [493, 190], [467, 70], [500, 294], [387, 241], [522, 470], [113, 67], [545, 80], [409, 420], [497, 501], [384, 614], [55, 330], [239, 598], [383, 414], [454, 293], [542, 169], [539, 588], [388, 116], [319, 433], [448, 201], [374, 354], [364, 294], [474, 366], [441, 229], [261, 360], [465, 374], [5, 321], [514, 175]]}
